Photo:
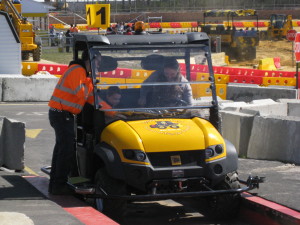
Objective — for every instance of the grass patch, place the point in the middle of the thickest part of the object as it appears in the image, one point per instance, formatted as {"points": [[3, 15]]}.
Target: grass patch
{"points": [[52, 54]]}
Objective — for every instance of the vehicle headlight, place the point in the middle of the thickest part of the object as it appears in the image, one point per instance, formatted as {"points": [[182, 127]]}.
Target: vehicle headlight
{"points": [[213, 151], [219, 149], [136, 155], [140, 156], [209, 153]]}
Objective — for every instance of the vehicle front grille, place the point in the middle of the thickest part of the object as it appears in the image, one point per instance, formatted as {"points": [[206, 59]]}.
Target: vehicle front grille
{"points": [[187, 158]]}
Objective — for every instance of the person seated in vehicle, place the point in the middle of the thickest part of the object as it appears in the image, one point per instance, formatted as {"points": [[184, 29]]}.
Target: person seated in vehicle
{"points": [[166, 95], [111, 100]]}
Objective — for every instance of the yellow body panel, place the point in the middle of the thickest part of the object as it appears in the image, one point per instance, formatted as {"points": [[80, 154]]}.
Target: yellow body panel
{"points": [[162, 135], [212, 136], [29, 68], [120, 136]]}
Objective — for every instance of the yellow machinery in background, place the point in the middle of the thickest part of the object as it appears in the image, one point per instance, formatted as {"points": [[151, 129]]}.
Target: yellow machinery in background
{"points": [[30, 44], [239, 44], [278, 27]]}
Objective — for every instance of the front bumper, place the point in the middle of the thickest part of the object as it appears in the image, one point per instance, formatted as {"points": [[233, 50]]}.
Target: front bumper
{"points": [[251, 183]]}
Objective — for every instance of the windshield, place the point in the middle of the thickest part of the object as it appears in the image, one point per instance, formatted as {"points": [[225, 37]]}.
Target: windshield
{"points": [[151, 82]]}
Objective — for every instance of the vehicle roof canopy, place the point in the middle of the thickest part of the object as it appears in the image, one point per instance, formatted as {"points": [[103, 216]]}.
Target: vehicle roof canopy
{"points": [[81, 40]]}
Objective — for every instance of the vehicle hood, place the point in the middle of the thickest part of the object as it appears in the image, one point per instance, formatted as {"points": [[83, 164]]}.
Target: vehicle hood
{"points": [[171, 134], [161, 135]]}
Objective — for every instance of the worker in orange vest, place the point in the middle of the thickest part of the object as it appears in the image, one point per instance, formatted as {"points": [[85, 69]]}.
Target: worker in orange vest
{"points": [[72, 91]]}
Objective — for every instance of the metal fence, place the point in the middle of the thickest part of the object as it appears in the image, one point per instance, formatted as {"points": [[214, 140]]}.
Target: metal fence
{"points": [[125, 6]]}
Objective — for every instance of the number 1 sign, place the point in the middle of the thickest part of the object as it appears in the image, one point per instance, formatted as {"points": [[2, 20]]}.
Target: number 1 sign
{"points": [[98, 15]]}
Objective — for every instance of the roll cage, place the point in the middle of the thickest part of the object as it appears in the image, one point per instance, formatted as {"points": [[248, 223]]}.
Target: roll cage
{"points": [[185, 45]]}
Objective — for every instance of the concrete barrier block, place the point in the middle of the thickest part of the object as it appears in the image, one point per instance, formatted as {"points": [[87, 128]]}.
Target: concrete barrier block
{"points": [[13, 144], [34, 88], [1, 142], [275, 138], [249, 93], [232, 106], [285, 100], [293, 109], [236, 127], [274, 108]]}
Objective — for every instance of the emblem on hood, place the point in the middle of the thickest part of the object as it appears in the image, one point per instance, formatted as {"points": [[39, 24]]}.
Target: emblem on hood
{"points": [[165, 124]]}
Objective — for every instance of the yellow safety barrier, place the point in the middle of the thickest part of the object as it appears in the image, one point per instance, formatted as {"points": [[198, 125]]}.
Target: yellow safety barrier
{"points": [[219, 78], [108, 80], [295, 23], [141, 74], [165, 25], [203, 90], [29, 68], [248, 24], [282, 81], [267, 64], [133, 81], [186, 24], [227, 60]]}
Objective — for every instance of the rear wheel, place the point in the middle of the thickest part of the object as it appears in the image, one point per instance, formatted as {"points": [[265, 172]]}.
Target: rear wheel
{"points": [[114, 208], [225, 206], [36, 54]]}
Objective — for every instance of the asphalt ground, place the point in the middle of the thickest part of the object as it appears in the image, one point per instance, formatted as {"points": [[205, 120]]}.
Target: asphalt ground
{"points": [[20, 200], [25, 198]]}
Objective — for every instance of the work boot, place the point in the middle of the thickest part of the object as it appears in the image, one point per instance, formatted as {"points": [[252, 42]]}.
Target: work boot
{"points": [[60, 190]]}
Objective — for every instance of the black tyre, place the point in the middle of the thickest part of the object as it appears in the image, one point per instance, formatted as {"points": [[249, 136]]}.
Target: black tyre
{"points": [[225, 206], [36, 54], [25, 55], [113, 208]]}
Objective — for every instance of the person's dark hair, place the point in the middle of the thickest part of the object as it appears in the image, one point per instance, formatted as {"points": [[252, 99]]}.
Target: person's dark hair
{"points": [[170, 62], [113, 90]]}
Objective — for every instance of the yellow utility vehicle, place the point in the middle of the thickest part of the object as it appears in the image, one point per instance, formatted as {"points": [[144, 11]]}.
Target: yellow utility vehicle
{"points": [[278, 27], [238, 44], [30, 44], [165, 149]]}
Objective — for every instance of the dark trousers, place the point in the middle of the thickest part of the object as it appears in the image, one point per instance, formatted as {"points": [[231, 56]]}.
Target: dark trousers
{"points": [[64, 151]]}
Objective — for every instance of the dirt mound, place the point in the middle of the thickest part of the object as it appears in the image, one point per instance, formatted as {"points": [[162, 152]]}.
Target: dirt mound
{"points": [[270, 49]]}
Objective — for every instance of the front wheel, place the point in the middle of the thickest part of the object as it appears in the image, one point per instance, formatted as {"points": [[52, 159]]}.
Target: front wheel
{"points": [[225, 206], [114, 208]]}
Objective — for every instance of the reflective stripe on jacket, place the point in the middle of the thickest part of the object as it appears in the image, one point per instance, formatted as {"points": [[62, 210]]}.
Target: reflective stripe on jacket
{"points": [[72, 91]]}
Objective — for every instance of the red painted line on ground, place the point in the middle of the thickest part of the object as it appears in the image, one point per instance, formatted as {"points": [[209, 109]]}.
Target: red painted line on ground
{"points": [[262, 211], [79, 209]]}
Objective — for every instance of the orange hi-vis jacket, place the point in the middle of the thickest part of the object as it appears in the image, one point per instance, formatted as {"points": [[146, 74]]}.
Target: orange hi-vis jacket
{"points": [[72, 91]]}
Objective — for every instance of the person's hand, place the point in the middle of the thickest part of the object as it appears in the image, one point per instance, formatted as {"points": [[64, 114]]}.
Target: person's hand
{"points": [[142, 101]]}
